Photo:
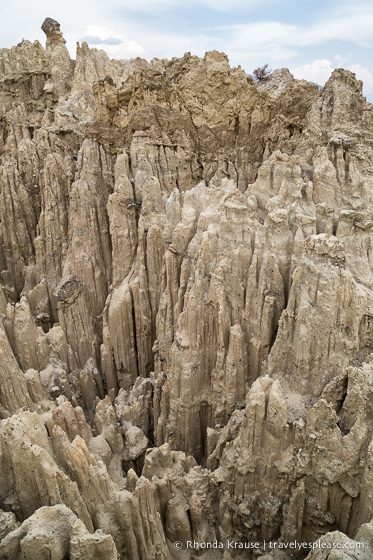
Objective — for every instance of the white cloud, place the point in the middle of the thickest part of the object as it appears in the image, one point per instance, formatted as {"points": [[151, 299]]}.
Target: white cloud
{"points": [[352, 23], [282, 53], [216, 5], [147, 42], [102, 37], [129, 49], [363, 74], [228, 5], [99, 31], [341, 60], [319, 71]]}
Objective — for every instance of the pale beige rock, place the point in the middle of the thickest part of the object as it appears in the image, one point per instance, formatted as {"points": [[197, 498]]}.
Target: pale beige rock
{"points": [[13, 384], [136, 442], [53, 532], [186, 306], [276, 82], [136, 406], [8, 523]]}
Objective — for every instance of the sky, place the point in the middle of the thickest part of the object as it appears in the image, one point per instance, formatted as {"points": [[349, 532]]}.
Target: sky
{"points": [[309, 38]]}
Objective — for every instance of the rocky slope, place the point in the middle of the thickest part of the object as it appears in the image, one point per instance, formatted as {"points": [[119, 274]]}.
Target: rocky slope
{"points": [[186, 308]]}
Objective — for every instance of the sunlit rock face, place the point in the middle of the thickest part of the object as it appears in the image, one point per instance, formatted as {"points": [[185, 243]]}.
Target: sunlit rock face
{"points": [[186, 308]]}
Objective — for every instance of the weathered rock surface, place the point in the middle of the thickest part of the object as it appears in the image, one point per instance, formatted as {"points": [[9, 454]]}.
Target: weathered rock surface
{"points": [[276, 82], [186, 308], [55, 532]]}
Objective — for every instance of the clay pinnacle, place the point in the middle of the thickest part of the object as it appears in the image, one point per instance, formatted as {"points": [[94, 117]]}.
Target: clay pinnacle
{"points": [[50, 26]]}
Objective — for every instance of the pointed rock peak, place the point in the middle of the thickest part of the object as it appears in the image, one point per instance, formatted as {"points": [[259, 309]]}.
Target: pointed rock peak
{"points": [[345, 77], [283, 72], [51, 28], [217, 62], [276, 82]]}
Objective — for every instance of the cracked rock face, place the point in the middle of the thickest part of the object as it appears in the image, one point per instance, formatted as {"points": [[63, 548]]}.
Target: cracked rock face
{"points": [[186, 308]]}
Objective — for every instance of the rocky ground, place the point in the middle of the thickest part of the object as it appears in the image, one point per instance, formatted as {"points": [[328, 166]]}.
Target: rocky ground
{"points": [[186, 309]]}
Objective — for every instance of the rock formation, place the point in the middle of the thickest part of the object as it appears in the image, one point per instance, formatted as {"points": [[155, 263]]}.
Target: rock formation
{"points": [[186, 309]]}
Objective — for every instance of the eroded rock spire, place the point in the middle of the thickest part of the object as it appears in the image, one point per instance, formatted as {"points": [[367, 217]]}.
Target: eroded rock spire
{"points": [[186, 307]]}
